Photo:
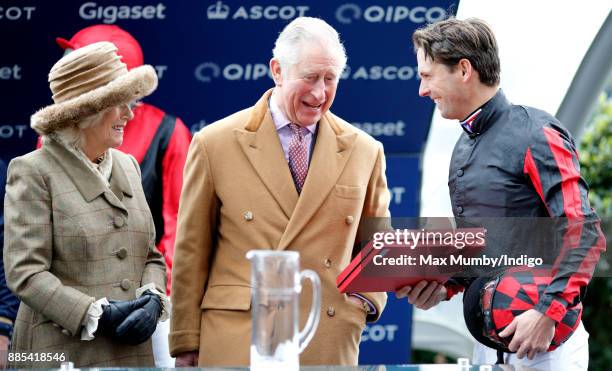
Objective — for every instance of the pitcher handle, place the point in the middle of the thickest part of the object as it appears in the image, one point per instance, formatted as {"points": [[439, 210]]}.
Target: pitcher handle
{"points": [[315, 310]]}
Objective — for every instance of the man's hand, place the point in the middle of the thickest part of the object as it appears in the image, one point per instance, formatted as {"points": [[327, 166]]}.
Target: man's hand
{"points": [[187, 359], [533, 333], [424, 294], [4, 344]]}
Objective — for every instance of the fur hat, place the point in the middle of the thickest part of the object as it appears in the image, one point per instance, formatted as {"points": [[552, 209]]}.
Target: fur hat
{"points": [[88, 81]]}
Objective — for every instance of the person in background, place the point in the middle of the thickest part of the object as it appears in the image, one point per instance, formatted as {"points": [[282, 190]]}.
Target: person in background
{"points": [[8, 302], [511, 161], [285, 174], [159, 142], [79, 237]]}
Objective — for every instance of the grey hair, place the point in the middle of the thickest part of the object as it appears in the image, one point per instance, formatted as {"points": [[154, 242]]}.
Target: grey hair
{"points": [[73, 135], [307, 29]]}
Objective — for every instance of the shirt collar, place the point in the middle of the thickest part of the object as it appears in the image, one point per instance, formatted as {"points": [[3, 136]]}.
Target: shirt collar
{"points": [[279, 118], [467, 123], [483, 117]]}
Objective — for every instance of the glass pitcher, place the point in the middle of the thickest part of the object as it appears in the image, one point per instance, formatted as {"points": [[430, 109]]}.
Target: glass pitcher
{"points": [[276, 280]]}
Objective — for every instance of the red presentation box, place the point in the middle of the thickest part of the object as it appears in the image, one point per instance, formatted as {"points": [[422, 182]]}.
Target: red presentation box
{"points": [[430, 262]]}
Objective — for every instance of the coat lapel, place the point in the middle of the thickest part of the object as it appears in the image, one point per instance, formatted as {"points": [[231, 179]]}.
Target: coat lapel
{"points": [[260, 143], [87, 183], [331, 152], [119, 185]]}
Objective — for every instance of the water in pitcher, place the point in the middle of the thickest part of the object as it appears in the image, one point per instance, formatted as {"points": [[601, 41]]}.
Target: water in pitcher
{"points": [[276, 342], [276, 346]]}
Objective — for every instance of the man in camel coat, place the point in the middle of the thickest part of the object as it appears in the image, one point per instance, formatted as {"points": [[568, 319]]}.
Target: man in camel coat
{"points": [[285, 174]]}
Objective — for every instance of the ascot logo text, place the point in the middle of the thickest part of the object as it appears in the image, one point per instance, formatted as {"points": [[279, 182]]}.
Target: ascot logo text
{"points": [[347, 13], [379, 333], [379, 73], [221, 11], [110, 14], [12, 131], [15, 13]]}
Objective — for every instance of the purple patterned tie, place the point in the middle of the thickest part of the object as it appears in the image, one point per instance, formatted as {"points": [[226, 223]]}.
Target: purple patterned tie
{"points": [[298, 156]]}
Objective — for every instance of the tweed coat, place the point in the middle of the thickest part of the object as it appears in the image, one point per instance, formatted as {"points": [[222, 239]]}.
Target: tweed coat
{"points": [[70, 239], [238, 195]]}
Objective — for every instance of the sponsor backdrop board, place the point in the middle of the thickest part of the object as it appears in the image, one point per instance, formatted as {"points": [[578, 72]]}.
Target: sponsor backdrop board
{"points": [[404, 182], [212, 60], [388, 340]]}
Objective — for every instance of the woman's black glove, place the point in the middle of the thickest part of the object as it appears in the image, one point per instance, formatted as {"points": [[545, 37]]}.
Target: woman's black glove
{"points": [[141, 323], [116, 312]]}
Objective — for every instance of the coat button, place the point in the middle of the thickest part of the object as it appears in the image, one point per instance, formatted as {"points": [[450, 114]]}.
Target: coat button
{"points": [[66, 332], [122, 253], [460, 172], [248, 216], [118, 221], [125, 284], [331, 311], [327, 263], [349, 220], [460, 209]]}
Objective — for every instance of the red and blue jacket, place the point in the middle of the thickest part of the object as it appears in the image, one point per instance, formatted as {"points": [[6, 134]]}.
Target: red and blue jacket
{"points": [[515, 162]]}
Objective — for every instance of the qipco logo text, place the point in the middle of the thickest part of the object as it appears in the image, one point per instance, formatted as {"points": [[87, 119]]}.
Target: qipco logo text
{"points": [[351, 13], [207, 71]]}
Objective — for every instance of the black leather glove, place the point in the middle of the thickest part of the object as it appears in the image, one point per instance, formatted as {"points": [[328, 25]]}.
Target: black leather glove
{"points": [[116, 312], [141, 323]]}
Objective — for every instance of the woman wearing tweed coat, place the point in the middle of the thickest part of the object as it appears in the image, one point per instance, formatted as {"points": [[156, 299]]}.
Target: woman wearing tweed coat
{"points": [[79, 237]]}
